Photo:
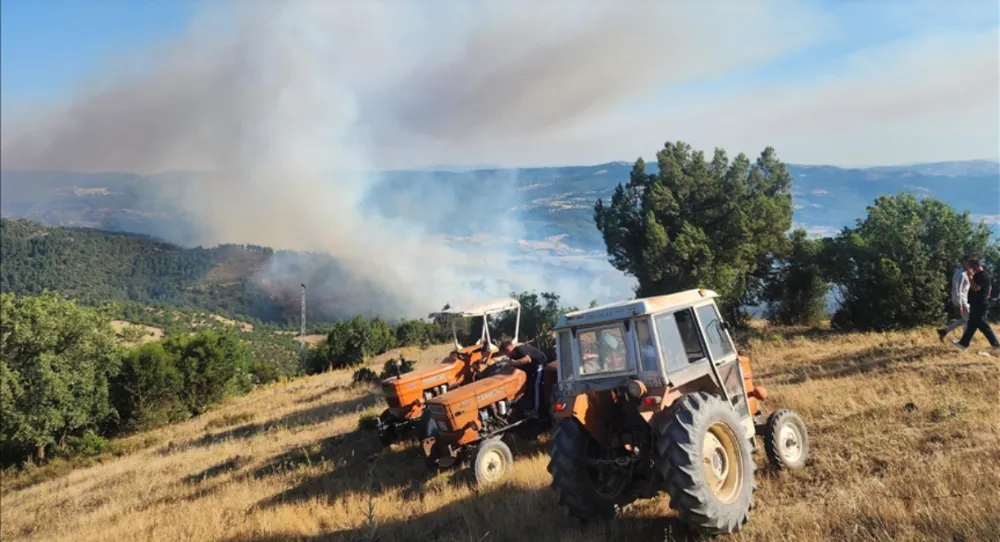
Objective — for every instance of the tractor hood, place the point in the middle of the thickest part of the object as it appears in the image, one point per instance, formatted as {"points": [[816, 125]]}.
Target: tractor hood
{"points": [[422, 379], [508, 383]]}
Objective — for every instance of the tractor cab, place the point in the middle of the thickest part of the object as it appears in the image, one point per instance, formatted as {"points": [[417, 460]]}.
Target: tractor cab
{"points": [[653, 396]]}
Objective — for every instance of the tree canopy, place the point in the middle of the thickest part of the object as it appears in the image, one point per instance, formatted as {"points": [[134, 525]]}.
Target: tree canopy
{"points": [[895, 266], [715, 224], [57, 361]]}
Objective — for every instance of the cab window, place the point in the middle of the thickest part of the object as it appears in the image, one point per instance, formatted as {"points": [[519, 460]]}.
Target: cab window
{"points": [[678, 333], [602, 350], [715, 335], [648, 356]]}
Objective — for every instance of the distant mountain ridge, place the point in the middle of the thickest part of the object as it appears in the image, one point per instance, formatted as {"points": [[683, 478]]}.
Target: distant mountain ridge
{"points": [[546, 202]]}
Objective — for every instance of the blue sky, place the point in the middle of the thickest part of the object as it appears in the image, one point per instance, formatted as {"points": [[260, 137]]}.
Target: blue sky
{"points": [[842, 82], [48, 46]]}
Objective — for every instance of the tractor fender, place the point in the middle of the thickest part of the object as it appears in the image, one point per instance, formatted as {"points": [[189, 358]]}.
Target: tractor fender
{"points": [[586, 409]]}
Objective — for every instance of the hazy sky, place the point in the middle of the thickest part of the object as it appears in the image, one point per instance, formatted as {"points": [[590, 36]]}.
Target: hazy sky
{"points": [[111, 84]]}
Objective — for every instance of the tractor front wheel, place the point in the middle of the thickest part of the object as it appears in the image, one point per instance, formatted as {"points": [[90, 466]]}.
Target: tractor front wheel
{"points": [[492, 461], [786, 440], [706, 464], [589, 486]]}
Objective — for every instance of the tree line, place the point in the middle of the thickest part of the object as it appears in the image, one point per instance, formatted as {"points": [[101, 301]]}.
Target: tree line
{"points": [[67, 383], [725, 225], [350, 343]]}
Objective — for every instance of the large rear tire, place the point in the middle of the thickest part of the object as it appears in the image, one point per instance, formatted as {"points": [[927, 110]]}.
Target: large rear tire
{"points": [[706, 464], [585, 498]]}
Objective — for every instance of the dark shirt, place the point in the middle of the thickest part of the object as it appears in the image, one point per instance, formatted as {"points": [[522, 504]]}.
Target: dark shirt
{"points": [[977, 298], [538, 359]]}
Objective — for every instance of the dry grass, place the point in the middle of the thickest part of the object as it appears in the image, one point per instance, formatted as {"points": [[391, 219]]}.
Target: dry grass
{"points": [[312, 340], [905, 433], [148, 333]]}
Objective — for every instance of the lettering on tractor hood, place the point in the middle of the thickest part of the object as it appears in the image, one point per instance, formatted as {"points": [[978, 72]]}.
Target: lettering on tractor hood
{"points": [[484, 396], [434, 378]]}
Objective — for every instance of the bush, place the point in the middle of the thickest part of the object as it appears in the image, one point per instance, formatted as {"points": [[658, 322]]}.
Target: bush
{"points": [[89, 445], [213, 365], [350, 343], [264, 373], [420, 333], [148, 391], [393, 367], [364, 375]]}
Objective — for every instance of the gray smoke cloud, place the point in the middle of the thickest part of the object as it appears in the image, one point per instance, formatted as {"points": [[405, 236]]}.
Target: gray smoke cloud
{"points": [[291, 106]]}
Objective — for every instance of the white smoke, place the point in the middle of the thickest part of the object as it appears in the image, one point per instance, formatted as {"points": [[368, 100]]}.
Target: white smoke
{"points": [[292, 105]]}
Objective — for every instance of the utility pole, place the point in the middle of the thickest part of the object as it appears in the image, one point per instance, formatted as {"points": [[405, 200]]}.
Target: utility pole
{"points": [[302, 330]]}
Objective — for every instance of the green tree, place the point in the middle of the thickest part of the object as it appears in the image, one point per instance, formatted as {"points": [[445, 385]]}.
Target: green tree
{"points": [[350, 343], [147, 392], [212, 364], [797, 292], [894, 268], [991, 259], [696, 224], [421, 333], [57, 360]]}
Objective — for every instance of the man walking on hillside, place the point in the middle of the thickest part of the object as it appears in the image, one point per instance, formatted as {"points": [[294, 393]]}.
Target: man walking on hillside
{"points": [[980, 288], [959, 298], [532, 361]]}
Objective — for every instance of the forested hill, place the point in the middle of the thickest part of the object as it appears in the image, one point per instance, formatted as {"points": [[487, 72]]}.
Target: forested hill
{"points": [[95, 266]]}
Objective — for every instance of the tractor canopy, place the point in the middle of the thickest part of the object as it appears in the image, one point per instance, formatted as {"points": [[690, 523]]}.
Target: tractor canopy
{"points": [[484, 309]]}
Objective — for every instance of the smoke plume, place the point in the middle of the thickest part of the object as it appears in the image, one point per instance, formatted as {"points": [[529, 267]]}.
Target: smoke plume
{"points": [[293, 106]]}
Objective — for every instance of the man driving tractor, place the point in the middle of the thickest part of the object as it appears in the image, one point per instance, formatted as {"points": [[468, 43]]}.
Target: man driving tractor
{"points": [[530, 360]]}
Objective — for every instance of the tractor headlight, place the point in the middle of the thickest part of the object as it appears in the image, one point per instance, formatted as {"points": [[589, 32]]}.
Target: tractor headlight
{"points": [[636, 389]]}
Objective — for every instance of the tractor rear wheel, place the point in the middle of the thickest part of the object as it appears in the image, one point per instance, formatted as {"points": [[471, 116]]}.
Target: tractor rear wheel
{"points": [[588, 489], [786, 441], [706, 464], [492, 461]]}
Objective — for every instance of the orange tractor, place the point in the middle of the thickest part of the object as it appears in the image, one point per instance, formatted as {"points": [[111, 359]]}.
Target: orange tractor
{"points": [[653, 396], [474, 420], [406, 394]]}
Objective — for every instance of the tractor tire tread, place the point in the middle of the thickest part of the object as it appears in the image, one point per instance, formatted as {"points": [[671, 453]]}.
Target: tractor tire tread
{"points": [[566, 450], [678, 445]]}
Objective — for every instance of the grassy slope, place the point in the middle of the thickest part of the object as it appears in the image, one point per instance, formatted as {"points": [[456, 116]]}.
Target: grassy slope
{"points": [[286, 463]]}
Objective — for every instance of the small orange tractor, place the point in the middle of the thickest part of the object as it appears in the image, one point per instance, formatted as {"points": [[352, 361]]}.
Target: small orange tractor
{"points": [[653, 396], [407, 393], [473, 421]]}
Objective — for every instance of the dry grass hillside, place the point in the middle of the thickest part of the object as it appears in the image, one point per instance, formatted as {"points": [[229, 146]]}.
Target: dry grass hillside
{"points": [[905, 434]]}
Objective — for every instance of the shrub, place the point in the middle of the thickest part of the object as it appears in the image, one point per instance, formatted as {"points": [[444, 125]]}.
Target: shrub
{"points": [[148, 391], [364, 375], [394, 367], [88, 445]]}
